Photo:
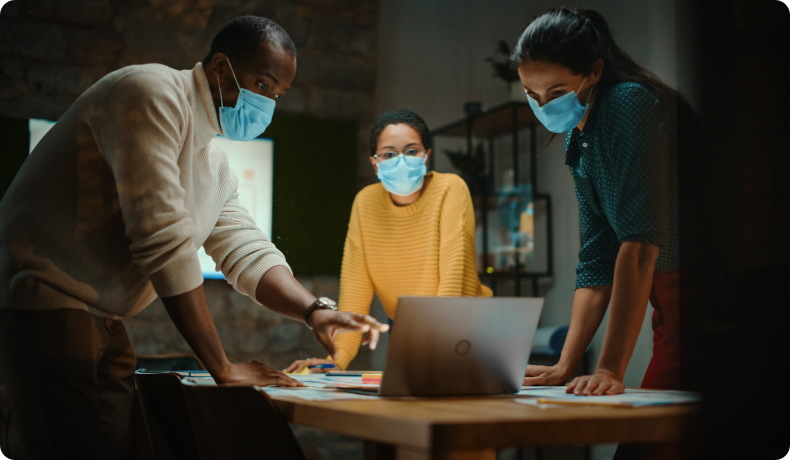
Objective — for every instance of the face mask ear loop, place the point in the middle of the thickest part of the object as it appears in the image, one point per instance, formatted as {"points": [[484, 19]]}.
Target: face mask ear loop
{"points": [[234, 75], [589, 95], [220, 93]]}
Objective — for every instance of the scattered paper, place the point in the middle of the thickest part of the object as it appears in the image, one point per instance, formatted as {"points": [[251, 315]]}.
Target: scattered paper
{"points": [[345, 383], [202, 380], [631, 398], [313, 394]]}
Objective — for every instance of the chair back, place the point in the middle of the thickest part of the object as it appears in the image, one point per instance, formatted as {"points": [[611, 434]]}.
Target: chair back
{"points": [[238, 422], [168, 362], [166, 415]]}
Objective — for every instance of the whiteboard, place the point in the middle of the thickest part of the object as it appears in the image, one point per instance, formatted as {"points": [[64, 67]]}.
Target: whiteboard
{"points": [[38, 127], [252, 162]]}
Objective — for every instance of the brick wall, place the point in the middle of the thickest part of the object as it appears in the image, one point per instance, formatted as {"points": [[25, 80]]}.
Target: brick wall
{"points": [[247, 330], [53, 50]]}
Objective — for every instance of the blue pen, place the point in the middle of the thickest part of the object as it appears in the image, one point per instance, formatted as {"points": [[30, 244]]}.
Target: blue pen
{"points": [[322, 366]]}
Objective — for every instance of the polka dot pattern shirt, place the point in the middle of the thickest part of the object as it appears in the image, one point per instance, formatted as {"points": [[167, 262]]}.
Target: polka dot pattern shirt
{"points": [[624, 173]]}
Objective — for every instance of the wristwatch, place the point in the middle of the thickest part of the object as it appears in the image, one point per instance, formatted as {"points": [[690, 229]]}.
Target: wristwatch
{"points": [[324, 303]]}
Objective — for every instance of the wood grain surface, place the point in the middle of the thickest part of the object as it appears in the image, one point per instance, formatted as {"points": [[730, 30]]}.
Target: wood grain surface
{"points": [[475, 423]]}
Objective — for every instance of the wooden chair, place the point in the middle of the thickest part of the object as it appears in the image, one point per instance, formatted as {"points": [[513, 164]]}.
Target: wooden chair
{"points": [[166, 415], [234, 422]]}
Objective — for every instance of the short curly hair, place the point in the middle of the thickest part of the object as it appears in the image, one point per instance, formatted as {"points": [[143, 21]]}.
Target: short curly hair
{"points": [[396, 117]]}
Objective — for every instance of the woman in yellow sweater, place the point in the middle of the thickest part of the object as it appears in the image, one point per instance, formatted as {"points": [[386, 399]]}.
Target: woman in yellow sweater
{"points": [[411, 234]]}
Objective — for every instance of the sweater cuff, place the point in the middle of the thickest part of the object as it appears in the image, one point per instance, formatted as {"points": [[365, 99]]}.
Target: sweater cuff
{"points": [[251, 276], [344, 358], [177, 277]]}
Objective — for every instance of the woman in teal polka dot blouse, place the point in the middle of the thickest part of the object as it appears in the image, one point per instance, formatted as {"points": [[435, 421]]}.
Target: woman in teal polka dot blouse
{"points": [[619, 123]]}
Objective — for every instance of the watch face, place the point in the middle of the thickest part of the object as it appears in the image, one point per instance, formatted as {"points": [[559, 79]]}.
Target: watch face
{"points": [[328, 302]]}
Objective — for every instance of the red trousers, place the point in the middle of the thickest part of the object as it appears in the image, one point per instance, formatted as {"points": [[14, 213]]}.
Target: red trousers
{"points": [[669, 297]]}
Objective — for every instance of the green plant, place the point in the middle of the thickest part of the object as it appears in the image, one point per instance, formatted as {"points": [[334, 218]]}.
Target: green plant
{"points": [[466, 164], [503, 68]]}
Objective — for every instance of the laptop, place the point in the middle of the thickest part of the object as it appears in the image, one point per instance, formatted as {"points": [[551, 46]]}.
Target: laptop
{"points": [[452, 346]]}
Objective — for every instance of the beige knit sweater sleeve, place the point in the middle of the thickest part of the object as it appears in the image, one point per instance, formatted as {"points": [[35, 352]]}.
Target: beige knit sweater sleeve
{"points": [[239, 248], [139, 127]]}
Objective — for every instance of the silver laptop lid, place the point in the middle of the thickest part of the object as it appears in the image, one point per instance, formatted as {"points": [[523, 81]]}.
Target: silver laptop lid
{"points": [[442, 346]]}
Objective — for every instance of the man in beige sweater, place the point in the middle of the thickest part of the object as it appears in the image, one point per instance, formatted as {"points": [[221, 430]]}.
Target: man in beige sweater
{"points": [[109, 211]]}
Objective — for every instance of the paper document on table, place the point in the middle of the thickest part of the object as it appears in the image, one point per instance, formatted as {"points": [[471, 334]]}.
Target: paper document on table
{"points": [[313, 394], [317, 388], [344, 383], [202, 380], [631, 397]]}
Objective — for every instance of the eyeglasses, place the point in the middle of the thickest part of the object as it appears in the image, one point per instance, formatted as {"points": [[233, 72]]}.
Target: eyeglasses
{"points": [[382, 157]]}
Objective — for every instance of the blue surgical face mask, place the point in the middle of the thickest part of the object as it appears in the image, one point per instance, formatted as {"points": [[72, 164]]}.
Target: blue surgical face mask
{"points": [[249, 118], [402, 175], [561, 114]]}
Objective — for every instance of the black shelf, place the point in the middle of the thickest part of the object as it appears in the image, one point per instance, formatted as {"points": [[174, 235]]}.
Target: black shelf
{"points": [[508, 119]]}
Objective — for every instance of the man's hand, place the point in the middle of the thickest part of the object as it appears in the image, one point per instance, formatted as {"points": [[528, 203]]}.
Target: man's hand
{"points": [[546, 375], [327, 323], [300, 364], [602, 382], [255, 373]]}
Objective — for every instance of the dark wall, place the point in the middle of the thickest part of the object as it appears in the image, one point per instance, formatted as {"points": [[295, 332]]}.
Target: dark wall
{"points": [[743, 306], [315, 170], [15, 139]]}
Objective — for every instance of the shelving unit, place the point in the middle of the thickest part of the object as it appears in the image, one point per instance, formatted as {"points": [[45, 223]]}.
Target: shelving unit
{"points": [[505, 124]]}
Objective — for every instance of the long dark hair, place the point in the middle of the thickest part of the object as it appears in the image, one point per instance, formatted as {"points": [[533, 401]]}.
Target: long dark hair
{"points": [[576, 39]]}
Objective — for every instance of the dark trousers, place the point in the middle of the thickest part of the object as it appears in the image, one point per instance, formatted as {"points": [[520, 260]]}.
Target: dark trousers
{"points": [[69, 376], [669, 367]]}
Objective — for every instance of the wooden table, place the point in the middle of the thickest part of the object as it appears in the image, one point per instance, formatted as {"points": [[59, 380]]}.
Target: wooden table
{"points": [[475, 427]]}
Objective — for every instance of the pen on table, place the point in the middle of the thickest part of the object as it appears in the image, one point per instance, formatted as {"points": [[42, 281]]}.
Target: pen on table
{"points": [[322, 366], [306, 370], [582, 403]]}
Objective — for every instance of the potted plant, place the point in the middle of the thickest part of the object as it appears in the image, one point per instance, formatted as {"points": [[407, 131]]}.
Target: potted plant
{"points": [[503, 70]]}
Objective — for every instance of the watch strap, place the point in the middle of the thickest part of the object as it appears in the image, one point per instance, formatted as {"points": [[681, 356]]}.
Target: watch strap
{"points": [[309, 312]]}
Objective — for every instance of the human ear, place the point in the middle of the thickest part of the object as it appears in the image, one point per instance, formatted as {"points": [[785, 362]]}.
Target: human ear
{"points": [[375, 166], [218, 61], [427, 155], [597, 71]]}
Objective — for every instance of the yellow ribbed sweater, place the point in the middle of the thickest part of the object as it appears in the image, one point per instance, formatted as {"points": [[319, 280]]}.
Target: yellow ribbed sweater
{"points": [[426, 248]]}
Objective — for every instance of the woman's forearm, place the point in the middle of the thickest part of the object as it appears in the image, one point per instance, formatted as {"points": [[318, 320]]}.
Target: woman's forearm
{"points": [[633, 279], [589, 307]]}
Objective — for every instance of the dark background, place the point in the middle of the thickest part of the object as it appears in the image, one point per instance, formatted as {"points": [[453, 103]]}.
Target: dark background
{"points": [[742, 234]]}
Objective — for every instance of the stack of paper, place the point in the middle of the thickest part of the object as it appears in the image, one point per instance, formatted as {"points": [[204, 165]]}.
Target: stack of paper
{"points": [[317, 387], [313, 394], [631, 398], [345, 383]]}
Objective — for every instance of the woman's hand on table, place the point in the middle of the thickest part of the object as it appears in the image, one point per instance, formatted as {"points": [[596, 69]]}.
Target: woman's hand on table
{"points": [[602, 382], [327, 323], [254, 373], [545, 375], [300, 364]]}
